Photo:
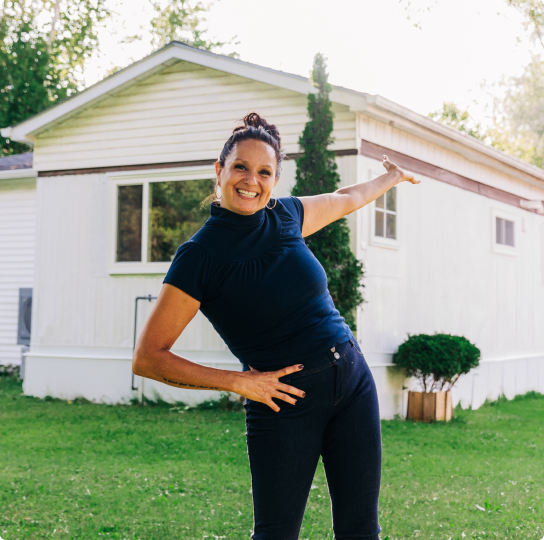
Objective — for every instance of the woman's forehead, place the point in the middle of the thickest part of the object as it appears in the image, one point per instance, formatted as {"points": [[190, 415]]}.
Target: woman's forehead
{"points": [[251, 150]]}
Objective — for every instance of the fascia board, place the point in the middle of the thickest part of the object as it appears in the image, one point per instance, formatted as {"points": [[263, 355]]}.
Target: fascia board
{"points": [[13, 174], [470, 148]]}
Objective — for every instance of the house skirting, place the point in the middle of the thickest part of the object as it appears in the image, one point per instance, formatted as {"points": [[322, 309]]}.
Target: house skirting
{"points": [[108, 379]]}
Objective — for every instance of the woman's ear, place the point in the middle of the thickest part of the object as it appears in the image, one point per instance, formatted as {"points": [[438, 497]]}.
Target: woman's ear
{"points": [[218, 170]]}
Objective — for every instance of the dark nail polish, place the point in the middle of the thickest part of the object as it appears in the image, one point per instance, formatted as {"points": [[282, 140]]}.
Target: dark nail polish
{"points": [[303, 394], [300, 366]]}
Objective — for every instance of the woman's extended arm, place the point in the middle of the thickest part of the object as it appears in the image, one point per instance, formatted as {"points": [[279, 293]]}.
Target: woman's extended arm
{"points": [[153, 358], [320, 210]]}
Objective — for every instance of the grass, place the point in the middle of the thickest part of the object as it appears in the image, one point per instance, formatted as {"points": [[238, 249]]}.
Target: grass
{"points": [[80, 470]]}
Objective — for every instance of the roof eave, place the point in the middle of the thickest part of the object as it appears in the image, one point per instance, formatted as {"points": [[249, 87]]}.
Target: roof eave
{"points": [[424, 127]]}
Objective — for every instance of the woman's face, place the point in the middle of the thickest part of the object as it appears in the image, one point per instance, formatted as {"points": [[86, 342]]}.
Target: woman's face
{"points": [[248, 177]]}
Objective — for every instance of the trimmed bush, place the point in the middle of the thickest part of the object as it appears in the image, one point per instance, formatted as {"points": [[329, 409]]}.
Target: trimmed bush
{"points": [[438, 360]]}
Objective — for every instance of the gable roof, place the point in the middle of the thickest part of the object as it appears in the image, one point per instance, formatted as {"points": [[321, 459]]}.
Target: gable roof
{"points": [[27, 130], [374, 106]]}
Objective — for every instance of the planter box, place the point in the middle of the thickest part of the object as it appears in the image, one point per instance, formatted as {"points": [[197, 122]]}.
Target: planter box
{"points": [[427, 407]]}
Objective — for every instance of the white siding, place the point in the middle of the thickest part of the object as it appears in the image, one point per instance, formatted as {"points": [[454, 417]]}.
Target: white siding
{"points": [[184, 113], [445, 277], [17, 246]]}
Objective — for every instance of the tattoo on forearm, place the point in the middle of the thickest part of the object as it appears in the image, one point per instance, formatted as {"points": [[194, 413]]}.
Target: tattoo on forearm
{"points": [[187, 385]]}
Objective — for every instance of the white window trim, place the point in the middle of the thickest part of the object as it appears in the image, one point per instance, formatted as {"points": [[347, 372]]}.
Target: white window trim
{"points": [[144, 178], [380, 241], [503, 249]]}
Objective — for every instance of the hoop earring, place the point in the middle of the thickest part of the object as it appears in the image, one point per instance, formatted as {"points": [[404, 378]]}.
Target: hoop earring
{"points": [[275, 202], [218, 196]]}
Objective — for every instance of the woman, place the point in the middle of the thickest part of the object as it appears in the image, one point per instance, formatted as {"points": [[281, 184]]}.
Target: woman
{"points": [[308, 389]]}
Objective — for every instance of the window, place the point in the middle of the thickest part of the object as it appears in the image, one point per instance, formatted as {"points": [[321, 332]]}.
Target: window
{"points": [[504, 231], [385, 216], [153, 216]]}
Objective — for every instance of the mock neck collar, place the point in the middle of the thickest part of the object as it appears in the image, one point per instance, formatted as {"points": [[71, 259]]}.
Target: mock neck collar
{"points": [[222, 216]]}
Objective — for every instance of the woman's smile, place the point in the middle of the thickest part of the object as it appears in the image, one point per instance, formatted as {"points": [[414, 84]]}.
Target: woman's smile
{"points": [[245, 194]]}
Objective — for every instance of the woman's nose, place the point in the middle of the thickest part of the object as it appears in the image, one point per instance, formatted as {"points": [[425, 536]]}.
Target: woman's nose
{"points": [[251, 179]]}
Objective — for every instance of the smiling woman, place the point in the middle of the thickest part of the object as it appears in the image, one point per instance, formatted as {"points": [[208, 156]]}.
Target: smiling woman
{"points": [[251, 274]]}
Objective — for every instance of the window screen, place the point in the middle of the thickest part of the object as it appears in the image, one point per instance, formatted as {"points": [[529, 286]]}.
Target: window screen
{"points": [[385, 218], [504, 231]]}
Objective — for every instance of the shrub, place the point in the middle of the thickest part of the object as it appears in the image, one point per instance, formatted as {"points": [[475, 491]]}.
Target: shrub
{"points": [[10, 370], [437, 361]]}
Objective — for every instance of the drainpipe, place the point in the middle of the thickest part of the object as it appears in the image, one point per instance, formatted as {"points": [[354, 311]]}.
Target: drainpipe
{"points": [[141, 387]]}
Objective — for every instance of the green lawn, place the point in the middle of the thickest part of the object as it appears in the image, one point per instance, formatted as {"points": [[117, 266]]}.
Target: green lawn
{"points": [[156, 472]]}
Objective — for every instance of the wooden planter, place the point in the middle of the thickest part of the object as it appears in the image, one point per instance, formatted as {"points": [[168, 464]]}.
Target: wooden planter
{"points": [[426, 407]]}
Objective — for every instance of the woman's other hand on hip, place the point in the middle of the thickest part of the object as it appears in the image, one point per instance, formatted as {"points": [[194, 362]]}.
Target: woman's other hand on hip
{"points": [[264, 385]]}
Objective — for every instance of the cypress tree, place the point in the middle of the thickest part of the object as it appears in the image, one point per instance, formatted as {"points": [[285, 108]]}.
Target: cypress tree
{"points": [[317, 173]]}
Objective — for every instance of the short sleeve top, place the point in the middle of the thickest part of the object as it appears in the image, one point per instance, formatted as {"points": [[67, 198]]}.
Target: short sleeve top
{"points": [[260, 286]]}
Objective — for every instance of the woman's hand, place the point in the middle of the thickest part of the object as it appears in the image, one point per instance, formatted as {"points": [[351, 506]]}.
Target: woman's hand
{"points": [[264, 385], [391, 167]]}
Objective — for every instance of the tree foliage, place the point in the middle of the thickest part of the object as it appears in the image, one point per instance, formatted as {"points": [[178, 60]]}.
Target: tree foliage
{"points": [[44, 45], [533, 16], [438, 360], [182, 20], [511, 130], [317, 173]]}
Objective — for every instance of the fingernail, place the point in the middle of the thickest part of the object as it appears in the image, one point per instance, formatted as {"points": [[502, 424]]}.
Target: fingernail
{"points": [[300, 366], [303, 394]]}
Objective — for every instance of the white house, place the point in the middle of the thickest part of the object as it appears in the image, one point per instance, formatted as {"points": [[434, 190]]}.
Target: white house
{"points": [[461, 253]]}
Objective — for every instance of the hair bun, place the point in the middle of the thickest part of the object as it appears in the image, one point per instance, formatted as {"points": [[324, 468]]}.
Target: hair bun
{"points": [[254, 120]]}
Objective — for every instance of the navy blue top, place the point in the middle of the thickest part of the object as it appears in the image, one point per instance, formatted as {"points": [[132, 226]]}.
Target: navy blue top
{"points": [[260, 286]]}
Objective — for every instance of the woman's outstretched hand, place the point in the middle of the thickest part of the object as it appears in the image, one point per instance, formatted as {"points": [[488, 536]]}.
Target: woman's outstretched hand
{"points": [[391, 167], [264, 385]]}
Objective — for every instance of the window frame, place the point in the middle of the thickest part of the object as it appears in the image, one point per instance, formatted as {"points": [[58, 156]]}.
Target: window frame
{"points": [[382, 241], [127, 178], [503, 249]]}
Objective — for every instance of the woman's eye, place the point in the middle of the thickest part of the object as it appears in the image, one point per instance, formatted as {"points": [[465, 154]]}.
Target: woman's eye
{"points": [[239, 167], [265, 172]]}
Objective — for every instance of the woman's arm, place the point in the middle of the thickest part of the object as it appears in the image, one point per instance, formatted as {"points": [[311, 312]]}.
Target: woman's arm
{"points": [[153, 358], [320, 210]]}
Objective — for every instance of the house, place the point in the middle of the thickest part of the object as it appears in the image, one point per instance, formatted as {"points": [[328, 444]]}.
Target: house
{"points": [[460, 253]]}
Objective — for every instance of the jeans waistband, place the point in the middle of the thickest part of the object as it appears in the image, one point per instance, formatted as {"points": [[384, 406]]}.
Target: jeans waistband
{"points": [[329, 357]]}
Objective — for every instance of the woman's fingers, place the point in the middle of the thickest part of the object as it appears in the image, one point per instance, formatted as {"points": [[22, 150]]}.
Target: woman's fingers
{"points": [[284, 397], [272, 405], [288, 370], [291, 390]]}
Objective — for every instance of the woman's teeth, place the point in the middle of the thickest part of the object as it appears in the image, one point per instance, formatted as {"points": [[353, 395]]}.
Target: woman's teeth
{"points": [[245, 193]]}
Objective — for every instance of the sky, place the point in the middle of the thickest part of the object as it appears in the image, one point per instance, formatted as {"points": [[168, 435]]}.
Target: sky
{"points": [[417, 53]]}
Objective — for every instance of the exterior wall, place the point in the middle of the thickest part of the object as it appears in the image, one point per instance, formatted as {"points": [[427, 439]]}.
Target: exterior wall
{"points": [[17, 247], [184, 113], [445, 277]]}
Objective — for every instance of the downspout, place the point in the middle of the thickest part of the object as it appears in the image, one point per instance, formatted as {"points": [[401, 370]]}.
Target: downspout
{"points": [[141, 387]]}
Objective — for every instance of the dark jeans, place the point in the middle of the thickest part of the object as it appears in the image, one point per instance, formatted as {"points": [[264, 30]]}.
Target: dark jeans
{"points": [[338, 420]]}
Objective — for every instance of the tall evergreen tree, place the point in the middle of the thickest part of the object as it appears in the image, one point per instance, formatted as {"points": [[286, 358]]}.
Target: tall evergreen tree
{"points": [[317, 173]]}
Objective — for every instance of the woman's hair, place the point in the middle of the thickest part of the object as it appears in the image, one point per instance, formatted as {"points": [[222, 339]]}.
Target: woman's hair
{"points": [[258, 129], [255, 128]]}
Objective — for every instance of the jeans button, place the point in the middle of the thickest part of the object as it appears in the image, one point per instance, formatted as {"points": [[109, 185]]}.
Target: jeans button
{"points": [[336, 355]]}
